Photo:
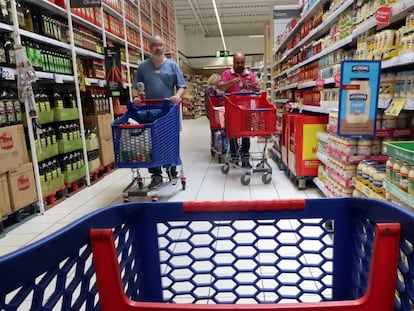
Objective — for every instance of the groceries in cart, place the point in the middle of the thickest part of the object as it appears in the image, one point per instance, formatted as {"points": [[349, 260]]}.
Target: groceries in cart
{"points": [[148, 136]]}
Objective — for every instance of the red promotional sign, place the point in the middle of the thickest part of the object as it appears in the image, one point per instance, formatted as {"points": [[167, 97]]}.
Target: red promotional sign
{"points": [[337, 78], [383, 16], [320, 83]]}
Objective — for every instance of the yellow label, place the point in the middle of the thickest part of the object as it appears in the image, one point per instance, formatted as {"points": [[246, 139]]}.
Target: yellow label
{"points": [[310, 141], [87, 82], [395, 107]]}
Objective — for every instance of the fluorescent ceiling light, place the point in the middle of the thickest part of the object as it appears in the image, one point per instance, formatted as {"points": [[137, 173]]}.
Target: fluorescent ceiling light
{"points": [[256, 36], [219, 24]]}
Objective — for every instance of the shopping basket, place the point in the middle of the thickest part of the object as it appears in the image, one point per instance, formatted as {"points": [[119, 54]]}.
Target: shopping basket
{"points": [[155, 141], [249, 114], [215, 103], [253, 255]]}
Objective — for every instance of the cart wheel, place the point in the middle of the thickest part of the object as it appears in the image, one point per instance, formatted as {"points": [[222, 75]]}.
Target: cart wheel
{"points": [[245, 180], [140, 185], [266, 178], [301, 183], [183, 184], [225, 168]]}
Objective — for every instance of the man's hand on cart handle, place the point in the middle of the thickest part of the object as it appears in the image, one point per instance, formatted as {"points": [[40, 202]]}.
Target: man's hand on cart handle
{"points": [[175, 99], [137, 100]]}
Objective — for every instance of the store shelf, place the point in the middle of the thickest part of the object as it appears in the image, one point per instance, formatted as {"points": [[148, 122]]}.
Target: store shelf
{"points": [[281, 101], [366, 191], [44, 39], [322, 188], [356, 158], [320, 29], [132, 25], [58, 78], [345, 182], [400, 60], [111, 11], [310, 108], [114, 38], [384, 133], [287, 87], [84, 52], [398, 193], [322, 157], [83, 22], [6, 27], [308, 15], [48, 5]]}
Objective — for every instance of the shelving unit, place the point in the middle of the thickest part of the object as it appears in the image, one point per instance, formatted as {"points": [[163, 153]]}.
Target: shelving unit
{"points": [[115, 23], [311, 44]]}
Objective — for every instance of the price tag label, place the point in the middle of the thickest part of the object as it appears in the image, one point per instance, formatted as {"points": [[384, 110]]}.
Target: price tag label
{"points": [[6, 74], [101, 83], [87, 82], [58, 78], [395, 107], [383, 16]]}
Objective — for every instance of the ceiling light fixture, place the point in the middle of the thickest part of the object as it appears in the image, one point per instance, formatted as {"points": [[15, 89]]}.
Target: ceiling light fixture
{"points": [[219, 24], [256, 36]]}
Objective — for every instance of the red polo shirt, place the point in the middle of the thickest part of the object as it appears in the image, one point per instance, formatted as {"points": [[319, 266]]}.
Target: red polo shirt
{"points": [[248, 79]]}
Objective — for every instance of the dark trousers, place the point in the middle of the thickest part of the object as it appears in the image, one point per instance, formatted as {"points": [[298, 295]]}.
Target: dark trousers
{"points": [[158, 171], [244, 148]]}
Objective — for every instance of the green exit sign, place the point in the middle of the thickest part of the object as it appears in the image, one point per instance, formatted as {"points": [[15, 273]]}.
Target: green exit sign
{"points": [[222, 53]]}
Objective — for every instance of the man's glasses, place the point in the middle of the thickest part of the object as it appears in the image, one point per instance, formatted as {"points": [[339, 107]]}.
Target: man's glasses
{"points": [[158, 45]]}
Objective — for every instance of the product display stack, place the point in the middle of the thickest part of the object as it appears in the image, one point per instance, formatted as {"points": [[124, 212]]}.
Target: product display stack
{"points": [[74, 98], [343, 61]]}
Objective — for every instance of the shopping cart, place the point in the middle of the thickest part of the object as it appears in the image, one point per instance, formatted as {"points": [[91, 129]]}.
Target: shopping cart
{"points": [[248, 115], [250, 255], [218, 144], [148, 136]]}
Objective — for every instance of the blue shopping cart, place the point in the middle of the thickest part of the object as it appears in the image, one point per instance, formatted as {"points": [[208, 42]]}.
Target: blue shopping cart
{"points": [[148, 136], [241, 255]]}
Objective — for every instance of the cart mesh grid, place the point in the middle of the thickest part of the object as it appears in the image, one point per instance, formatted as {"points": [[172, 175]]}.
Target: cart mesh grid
{"points": [[167, 254], [153, 142]]}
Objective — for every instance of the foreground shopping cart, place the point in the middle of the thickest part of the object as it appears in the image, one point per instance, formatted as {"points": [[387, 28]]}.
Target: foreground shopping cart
{"points": [[152, 140], [257, 255], [249, 115]]}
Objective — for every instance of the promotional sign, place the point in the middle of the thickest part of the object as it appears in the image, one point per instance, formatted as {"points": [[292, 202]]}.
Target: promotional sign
{"points": [[85, 4], [113, 70], [383, 16], [358, 97]]}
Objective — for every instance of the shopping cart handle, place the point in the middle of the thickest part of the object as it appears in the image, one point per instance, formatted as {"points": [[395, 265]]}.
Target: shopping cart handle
{"points": [[131, 126], [247, 93]]}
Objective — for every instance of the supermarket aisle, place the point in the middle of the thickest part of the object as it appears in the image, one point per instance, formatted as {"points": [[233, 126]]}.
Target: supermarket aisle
{"points": [[205, 181]]}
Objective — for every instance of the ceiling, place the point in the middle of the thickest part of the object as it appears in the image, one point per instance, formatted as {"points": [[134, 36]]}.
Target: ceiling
{"points": [[238, 17]]}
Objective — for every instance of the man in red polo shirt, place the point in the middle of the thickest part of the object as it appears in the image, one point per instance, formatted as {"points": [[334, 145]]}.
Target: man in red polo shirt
{"points": [[239, 79]]}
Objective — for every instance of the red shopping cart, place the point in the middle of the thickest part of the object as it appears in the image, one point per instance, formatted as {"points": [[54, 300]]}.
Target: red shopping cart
{"points": [[215, 112], [148, 136], [248, 115], [240, 255]]}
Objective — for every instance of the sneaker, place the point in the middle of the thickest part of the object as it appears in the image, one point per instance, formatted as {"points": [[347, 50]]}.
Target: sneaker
{"points": [[156, 181], [172, 173], [246, 165]]}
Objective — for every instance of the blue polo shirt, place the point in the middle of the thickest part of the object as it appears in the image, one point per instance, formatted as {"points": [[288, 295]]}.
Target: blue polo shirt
{"points": [[162, 82]]}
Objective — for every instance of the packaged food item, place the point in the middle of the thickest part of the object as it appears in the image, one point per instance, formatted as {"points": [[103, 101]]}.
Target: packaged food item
{"points": [[404, 170], [364, 146], [378, 182], [410, 188], [396, 172], [388, 167]]}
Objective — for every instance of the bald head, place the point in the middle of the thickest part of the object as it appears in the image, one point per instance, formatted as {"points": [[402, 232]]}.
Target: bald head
{"points": [[239, 62]]}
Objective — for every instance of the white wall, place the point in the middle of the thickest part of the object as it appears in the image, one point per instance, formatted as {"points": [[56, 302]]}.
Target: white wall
{"points": [[195, 45]]}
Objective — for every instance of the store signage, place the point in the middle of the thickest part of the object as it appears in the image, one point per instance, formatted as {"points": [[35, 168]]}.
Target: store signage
{"points": [[383, 16], [286, 13], [358, 97], [85, 3], [222, 53], [113, 69], [320, 83]]}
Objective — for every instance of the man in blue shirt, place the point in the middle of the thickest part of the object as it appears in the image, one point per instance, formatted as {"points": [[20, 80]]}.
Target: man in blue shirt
{"points": [[162, 78]]}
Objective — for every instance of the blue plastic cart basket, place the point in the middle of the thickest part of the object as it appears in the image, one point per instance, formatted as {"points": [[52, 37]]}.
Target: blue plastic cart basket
{"points": [[155, 141], [253, 255]]}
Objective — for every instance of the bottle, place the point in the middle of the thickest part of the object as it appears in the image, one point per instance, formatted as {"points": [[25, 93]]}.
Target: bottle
{"points": [[28, 22], [58, 101], [3, 60], [410, 189], [405, 168], [396, 172], [388, 168], [20, 15], [4, 12]]}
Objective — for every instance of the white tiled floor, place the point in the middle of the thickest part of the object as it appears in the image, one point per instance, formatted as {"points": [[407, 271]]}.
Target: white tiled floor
{"points": [[205, 181]]}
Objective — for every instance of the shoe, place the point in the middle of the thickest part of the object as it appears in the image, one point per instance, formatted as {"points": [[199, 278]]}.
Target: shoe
{"points": [[246, 165], [156, 181]]}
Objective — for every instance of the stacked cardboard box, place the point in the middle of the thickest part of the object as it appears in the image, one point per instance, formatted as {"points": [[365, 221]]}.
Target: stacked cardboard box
{"points": [[17, 183], [102, 125]]}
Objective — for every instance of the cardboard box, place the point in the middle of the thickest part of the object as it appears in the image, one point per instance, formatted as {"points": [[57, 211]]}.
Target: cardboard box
{"points": [[107, 152], [13, 150], [102, 123], [22, 186], [5, 206]]}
